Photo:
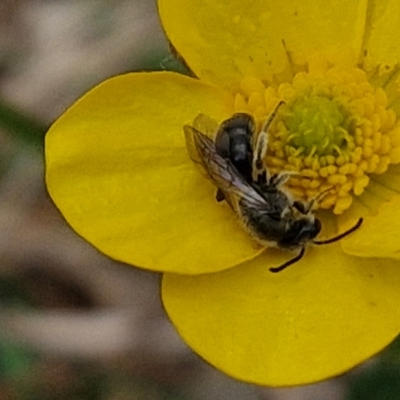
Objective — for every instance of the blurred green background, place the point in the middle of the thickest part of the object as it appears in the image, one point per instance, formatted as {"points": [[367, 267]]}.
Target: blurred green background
{"points": [[75, 325]]}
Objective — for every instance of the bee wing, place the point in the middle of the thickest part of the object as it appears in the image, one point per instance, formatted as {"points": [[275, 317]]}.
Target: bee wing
{"points": [[222, 173], [205, 124], [189, 132]]}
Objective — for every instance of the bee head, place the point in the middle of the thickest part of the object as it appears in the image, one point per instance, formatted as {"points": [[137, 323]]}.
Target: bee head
{"points": [[300, 232]]}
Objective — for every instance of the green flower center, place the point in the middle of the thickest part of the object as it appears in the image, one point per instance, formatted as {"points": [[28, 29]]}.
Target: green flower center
{"points": [[318, 126], [335, 130]]}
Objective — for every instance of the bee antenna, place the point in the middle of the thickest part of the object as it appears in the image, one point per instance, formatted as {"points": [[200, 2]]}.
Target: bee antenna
{"points": [[342, 235], [290, 262]]}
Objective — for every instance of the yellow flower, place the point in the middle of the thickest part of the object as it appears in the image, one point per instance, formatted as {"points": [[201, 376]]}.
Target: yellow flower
{"points": [[118, 169]]}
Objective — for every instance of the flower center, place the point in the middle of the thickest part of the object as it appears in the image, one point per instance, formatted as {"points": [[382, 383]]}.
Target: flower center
{"points": [[318, 126], [335, 130]]}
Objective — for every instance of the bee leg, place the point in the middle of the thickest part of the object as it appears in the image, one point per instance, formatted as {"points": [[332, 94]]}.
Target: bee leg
{"points": [[260, 150], [219, 196], [261, 145], [310, 204], [290, 262], [271, 117], [262, 179], [281, 178], [301, 207]]}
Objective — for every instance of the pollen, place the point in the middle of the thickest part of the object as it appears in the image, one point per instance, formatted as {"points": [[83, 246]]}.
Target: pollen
{"points": [[335, 131]]}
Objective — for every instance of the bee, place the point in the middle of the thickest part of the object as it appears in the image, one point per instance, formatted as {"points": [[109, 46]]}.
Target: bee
{"points": [[233, 141], [267, 211]]}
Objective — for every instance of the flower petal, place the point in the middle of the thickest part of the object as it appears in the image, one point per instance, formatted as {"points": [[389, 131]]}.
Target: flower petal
{"points": [[379, 234], [314, 320], [118, 169], [224, 41], [381, 44]]}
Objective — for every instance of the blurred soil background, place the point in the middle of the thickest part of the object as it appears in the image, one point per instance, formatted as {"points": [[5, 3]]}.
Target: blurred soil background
{"points": [[74, 324]]}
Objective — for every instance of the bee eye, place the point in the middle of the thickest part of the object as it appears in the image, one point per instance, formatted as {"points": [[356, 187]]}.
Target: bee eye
{"points": [[317, 226]]}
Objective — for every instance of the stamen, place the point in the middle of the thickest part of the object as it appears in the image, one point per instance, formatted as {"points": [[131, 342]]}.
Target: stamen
{"points": [[335, 129]]}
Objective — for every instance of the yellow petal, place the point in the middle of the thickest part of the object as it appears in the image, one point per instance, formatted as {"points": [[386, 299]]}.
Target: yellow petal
{"points": [[381, 44], [314, 320], [223, 41], [379, 234], [118, 170]]}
